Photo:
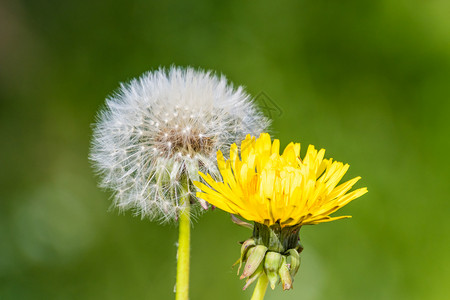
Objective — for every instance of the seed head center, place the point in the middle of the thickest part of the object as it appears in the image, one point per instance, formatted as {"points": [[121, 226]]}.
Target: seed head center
{"points": [[185, 141]]}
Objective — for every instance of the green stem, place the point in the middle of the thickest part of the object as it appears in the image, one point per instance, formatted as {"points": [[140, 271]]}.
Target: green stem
{"points": [[260, 288], [182, 285]]}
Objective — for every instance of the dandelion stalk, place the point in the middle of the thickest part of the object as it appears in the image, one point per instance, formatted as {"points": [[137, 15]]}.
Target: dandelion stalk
{"points": [[260, 288], [183, 255]]}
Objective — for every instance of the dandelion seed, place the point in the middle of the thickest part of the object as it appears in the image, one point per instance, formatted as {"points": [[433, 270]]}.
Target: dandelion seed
{"points": [[148, 155]]}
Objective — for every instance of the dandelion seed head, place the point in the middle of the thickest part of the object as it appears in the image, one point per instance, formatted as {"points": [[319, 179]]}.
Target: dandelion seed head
{"points": [[158, 131]]}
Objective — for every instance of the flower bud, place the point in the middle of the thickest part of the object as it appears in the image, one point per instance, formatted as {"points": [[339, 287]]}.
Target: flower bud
{"points": [[271, 266]]}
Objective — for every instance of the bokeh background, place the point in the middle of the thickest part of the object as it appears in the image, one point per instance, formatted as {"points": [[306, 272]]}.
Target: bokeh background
{"points": [[367, 80]]}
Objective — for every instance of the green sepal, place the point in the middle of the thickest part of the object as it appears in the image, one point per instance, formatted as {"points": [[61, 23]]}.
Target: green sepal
{"points": [[285, 275], [246, 246], [293, 260], [271, 265], [254, 260], [258, 272]]}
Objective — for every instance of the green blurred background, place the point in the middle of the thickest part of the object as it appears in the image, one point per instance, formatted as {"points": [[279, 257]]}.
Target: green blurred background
{"points": [[367, 80]]}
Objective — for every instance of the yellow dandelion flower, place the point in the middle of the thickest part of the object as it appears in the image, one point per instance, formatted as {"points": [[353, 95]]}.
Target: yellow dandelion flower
{"points": [[280, 193], [269, 188]]}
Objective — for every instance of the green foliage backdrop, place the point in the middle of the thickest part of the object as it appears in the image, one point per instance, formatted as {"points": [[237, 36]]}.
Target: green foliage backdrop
{"points": [[367, 80]]}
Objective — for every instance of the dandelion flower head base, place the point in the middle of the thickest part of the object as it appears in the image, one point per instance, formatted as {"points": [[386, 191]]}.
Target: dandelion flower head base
{"points": [[157, 132], [277, 238], [273, 252]]}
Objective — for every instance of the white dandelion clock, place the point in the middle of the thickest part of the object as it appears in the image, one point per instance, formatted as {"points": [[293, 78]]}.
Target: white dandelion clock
{"points": [[157, 132]]}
